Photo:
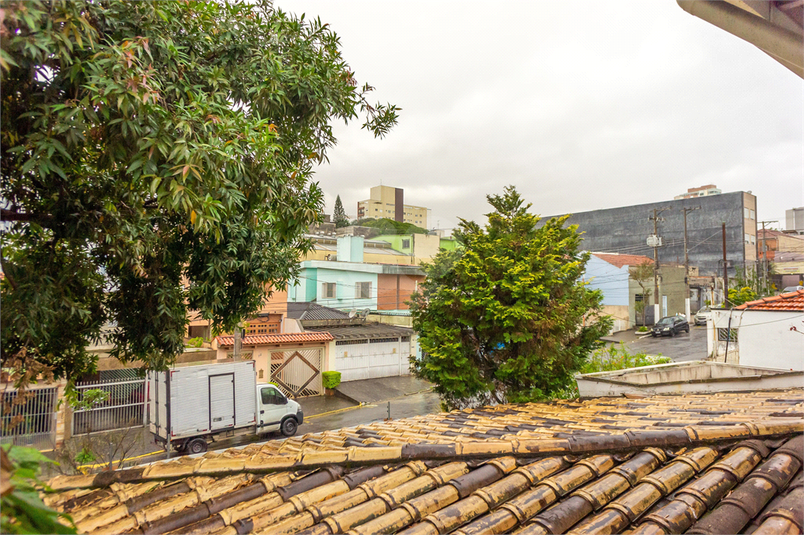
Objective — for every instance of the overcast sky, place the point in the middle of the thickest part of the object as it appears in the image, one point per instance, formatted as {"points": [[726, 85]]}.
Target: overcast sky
{"points": [[582, 105]]}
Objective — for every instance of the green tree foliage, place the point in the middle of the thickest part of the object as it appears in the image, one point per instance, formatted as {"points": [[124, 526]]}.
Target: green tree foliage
{"points": [[642, 274], [749, 278], [738, 296], [339, 214], [506, 317], [389, 226], [157, 156], [21, 508]]}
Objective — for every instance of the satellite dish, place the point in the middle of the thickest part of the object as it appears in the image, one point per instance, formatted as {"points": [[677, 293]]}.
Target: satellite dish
{"points": [[353, 313], [365, 312]]}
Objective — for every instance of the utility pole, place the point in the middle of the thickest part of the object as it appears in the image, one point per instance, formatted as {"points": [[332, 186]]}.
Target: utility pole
{"points": [[687, 263], [725, 269], [655, 218]]}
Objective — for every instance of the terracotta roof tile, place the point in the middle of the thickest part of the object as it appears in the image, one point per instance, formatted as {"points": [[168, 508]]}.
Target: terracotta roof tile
{"points": [[620, 260], [510, 468], [786, 302], [284, 338]]}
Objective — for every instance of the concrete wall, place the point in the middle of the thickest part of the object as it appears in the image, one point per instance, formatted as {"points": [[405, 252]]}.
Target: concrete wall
{"points": [[625, 229], [421, 247], [394, 290], [764, 338]]}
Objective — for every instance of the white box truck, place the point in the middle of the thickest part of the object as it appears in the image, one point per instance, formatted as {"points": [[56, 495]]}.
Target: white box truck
{"points": [[190, 406]]}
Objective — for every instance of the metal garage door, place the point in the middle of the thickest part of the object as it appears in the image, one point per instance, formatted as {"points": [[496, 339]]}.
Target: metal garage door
{"points": [[368, 359]]}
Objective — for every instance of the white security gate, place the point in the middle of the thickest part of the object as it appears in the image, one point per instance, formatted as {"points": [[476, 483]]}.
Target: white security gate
{"points": [[368, 359], [29, 421], [221, 401], [124, 407]]}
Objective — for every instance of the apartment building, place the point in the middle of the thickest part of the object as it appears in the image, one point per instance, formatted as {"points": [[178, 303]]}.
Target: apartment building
{"points": [[625, 230], [389, 202]]}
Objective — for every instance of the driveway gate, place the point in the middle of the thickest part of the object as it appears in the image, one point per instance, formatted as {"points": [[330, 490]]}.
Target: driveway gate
{"points": [[32, 422], [124, 408], [298, 372]]}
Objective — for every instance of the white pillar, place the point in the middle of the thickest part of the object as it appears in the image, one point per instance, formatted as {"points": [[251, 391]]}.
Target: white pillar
{"points": [[656, 316], [687, 309]]}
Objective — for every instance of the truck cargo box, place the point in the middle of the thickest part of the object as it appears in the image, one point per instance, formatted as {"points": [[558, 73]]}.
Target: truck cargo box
{"points": [[196, 400]]}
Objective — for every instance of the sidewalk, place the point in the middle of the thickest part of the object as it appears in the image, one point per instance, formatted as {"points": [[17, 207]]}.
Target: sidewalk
{"points": [[383, 388]]}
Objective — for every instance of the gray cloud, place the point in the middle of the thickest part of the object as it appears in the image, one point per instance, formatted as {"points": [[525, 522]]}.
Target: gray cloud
{"points": [[582, 105]]}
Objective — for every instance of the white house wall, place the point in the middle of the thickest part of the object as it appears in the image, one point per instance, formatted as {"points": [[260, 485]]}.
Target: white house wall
{"points": [[770, 339]]}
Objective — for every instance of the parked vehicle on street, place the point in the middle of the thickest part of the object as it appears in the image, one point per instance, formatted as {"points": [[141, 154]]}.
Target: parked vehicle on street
{"points": [[703, 316], [670, 326], [190, 406], [792, 289]]}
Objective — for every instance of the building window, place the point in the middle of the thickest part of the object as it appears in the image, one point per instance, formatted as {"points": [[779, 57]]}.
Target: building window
{"points": [[383, 340], [747, 238], [405, 243], [724, 335], [363, 290], [753, 214], [328, 290]]}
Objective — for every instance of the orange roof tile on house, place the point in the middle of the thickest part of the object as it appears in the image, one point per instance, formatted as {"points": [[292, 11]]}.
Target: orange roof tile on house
{"points": [[266, 339], [620, 260], [787, 302]]}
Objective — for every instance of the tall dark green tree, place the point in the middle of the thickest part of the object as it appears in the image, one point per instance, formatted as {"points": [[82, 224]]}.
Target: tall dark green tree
{"points": [[506, 317], [339, 214], [157, 156]]}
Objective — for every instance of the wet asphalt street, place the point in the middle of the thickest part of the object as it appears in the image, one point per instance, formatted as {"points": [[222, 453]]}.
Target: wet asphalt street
{"points": [[681, 347]]}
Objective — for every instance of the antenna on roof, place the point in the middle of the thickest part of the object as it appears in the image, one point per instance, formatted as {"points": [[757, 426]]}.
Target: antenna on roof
{"points": [[365, 312], [353, 313]]}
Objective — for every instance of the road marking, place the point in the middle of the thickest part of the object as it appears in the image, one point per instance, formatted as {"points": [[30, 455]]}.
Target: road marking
{"points": [[336, 411]]}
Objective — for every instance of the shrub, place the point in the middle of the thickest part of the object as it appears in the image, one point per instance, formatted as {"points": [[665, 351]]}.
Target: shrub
{"points": [[643, 329], [198, 341], [85, 456], [331, 379], [618, 358]]}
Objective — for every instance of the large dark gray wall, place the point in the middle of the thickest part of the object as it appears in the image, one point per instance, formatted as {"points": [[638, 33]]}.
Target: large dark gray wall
{"points": [[625, 230]]}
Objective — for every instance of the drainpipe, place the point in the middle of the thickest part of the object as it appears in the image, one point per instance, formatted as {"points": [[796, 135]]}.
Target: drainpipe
{"points": [[781, 44]]}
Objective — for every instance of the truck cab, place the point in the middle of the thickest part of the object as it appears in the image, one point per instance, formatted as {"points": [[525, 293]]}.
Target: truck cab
{"points": [[276, 411]]}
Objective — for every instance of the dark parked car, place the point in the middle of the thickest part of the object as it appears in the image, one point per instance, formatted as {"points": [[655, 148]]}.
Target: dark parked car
{"points": [[670, 326]]}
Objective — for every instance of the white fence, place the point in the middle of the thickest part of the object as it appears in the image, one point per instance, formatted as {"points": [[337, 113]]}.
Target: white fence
{"points": [[32, 422], [124, 408]]}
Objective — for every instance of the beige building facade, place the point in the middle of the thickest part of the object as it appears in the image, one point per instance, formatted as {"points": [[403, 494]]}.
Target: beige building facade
{"points": [[389, 202]]}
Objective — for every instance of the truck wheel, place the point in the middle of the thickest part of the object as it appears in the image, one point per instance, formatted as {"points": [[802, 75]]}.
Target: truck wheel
{"points": [[196, 445], [289, 427]]}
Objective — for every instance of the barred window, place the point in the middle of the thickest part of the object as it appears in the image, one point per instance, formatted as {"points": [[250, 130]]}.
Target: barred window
{"points": [[406, 338], [724, 335]]}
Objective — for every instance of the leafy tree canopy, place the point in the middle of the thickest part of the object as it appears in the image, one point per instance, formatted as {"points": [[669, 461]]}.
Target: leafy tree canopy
{"points": [[506, 317], [389, 226], [156, 157], [339, 214]]}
